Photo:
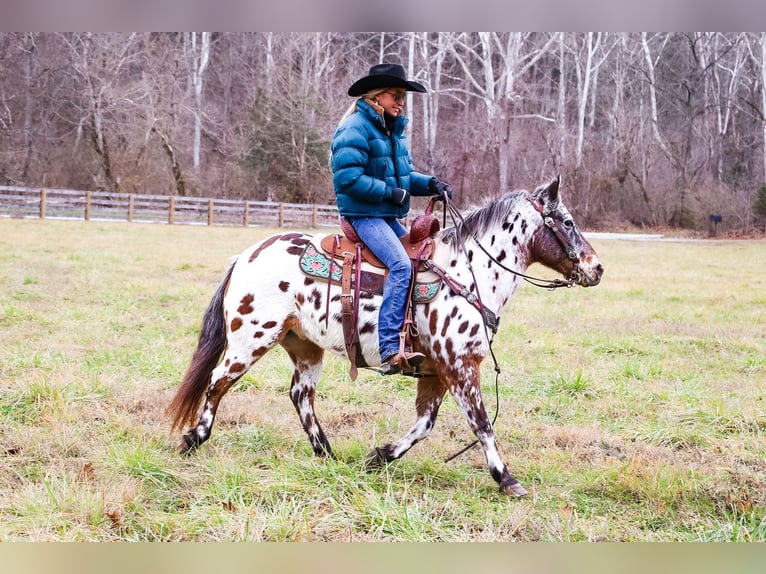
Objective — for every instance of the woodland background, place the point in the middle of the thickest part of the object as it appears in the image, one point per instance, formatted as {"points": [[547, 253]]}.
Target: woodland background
{"points": [[647, 129]]}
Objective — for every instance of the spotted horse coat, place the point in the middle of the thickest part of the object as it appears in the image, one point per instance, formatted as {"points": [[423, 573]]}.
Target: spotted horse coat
{"points": [[265, 300]]}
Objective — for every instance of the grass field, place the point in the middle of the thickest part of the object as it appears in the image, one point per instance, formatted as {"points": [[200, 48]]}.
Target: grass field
{"points": [[632, 411]]}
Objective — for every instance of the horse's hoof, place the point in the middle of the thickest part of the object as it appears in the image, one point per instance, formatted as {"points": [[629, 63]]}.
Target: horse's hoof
{"points": [[515, 490], [374, 459], [186, 446]]}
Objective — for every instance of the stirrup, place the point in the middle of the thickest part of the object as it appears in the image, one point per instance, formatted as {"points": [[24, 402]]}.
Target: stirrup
{"points": [[403, 362], [390, 368], [407, 367], [410, 361]]}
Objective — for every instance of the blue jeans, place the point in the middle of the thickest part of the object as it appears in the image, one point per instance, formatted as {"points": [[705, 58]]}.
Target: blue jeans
{"points": [[382, 235]]}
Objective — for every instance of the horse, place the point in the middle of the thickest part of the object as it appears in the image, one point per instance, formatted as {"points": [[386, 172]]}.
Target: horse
{"points": [[265, 300]]}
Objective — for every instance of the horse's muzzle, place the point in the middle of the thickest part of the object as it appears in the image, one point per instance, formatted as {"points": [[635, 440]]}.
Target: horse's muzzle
{"points": [[589, 275]]}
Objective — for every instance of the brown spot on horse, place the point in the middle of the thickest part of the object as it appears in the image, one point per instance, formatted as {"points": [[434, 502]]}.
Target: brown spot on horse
{"points": [[245, 306]]}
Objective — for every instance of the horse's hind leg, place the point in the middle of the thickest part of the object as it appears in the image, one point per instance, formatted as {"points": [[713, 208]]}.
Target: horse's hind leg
{"points": [[429, 398], [246, 345], [232, 367], [307, 363]]}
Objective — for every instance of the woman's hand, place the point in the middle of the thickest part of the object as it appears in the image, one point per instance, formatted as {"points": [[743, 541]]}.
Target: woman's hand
{"points": [[440, 188], [399, 196]]}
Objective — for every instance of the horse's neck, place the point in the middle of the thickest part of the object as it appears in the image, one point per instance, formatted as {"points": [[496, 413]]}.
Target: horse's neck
{"points": [[509, 247]]}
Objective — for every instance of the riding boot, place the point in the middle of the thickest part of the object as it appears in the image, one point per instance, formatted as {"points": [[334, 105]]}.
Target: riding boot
{"points": [[404, 361]]}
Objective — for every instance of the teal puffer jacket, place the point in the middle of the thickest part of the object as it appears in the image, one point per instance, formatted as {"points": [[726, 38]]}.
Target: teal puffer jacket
{"points": [[368, 162]]}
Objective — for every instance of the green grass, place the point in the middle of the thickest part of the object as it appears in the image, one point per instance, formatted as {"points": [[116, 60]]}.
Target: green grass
{"points": [[632, 411]]}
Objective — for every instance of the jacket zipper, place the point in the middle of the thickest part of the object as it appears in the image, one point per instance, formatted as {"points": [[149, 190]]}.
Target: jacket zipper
{"points": [[393, 158]]}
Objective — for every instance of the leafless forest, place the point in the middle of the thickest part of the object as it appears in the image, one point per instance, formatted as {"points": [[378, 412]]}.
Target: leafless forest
{"points": [[646, 129]]}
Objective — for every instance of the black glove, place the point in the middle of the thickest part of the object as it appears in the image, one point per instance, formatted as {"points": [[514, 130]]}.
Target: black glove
{"points": [[399, 196], [440, 188]]}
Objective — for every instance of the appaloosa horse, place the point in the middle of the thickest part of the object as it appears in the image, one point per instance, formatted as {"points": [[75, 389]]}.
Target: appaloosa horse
{"points": [[266, 299]]}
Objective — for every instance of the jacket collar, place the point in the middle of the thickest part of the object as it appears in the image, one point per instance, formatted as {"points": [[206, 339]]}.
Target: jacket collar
{"points": [[377, 119]]}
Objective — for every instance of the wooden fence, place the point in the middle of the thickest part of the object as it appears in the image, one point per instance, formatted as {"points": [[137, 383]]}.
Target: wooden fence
{"points": [[24, 202]]}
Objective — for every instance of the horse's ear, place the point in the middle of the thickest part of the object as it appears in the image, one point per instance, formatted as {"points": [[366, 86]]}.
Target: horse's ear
{"points": [[549, 192], [553, 189]]}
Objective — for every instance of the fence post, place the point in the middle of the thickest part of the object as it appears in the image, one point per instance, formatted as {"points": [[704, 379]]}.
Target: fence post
{"points": [[43, 195], [314, 217], [130, 208], [210, 211], [247, 214], [87, 206], [281, 214], [171, 209]]}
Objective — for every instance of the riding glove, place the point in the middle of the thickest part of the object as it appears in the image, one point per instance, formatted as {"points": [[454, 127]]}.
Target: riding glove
{"points": [[399, 196], [440, 188]]}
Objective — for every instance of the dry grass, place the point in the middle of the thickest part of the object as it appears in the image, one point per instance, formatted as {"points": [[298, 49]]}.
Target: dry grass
{"points": [[633, 411]]}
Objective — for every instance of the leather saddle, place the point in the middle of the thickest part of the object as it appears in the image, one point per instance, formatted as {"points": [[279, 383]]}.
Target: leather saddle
{"points": [[348, 248], [418, 242]]}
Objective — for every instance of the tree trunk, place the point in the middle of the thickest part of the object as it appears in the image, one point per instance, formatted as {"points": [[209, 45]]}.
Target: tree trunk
{"points": [[175, 165], [763, 99], [29, 79], [410, 74], [200, 59], [561, 104], [653, 97]]}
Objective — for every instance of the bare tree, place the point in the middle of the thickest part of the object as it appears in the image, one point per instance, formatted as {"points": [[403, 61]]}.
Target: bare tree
{"points": [[98, 63], [491, 63], [763, 98], [287, 153], [29, 77], [586, 67], [651, 128], [432, 55], [654, 116], [198, 52]]}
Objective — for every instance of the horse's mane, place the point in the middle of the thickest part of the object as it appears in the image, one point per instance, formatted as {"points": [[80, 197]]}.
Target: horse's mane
{"points": [[477, 221]]}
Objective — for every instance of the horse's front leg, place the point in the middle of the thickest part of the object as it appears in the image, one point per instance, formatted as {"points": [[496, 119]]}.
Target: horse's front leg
{"points": [[430, 394], [466, 390]]}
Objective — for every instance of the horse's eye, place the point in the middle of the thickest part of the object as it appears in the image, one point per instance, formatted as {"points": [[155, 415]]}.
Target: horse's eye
{"points": [[568, 223]]}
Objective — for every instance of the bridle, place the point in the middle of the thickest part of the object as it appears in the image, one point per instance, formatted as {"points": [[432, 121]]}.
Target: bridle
{"points": [[552, 225], [568, 248]]}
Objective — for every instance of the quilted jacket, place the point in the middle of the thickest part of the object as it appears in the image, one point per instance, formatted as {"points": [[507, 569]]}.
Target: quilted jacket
{"points": [[368, 161]]}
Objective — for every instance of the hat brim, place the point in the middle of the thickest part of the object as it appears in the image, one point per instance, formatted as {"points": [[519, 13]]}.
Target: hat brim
{"points": [[377, 81]]}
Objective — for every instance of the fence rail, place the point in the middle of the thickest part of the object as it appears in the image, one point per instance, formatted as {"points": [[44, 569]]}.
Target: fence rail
{"points": [[25, 202]]}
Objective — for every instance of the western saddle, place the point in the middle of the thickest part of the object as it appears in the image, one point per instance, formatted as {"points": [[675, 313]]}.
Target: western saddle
{"points": [[347, 248]]}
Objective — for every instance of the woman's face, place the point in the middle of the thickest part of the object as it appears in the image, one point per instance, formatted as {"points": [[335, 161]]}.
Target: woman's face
{"points": [[392, 101]]}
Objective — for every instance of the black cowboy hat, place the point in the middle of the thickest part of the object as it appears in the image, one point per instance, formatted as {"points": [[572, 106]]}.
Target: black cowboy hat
{"points": [[384, 76]]}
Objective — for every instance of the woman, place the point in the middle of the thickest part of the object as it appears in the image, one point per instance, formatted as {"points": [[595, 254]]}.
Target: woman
{"points": [[374, 177]]}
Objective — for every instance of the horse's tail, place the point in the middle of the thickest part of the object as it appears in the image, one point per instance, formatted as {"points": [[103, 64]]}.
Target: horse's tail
{"points": [[212, 342]]}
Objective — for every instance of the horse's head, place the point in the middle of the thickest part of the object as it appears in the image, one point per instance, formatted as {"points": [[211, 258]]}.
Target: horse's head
{"points": [[558, 242]]}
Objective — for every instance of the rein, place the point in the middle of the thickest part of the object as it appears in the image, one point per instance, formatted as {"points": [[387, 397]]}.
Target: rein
{"points": [[490, 321]]}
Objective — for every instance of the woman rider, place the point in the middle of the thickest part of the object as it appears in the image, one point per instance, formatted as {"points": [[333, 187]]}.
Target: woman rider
{"points": [[374, 177]]}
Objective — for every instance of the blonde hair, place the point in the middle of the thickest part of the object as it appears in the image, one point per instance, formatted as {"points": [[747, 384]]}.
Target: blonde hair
{"points": [[370, 97]]}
